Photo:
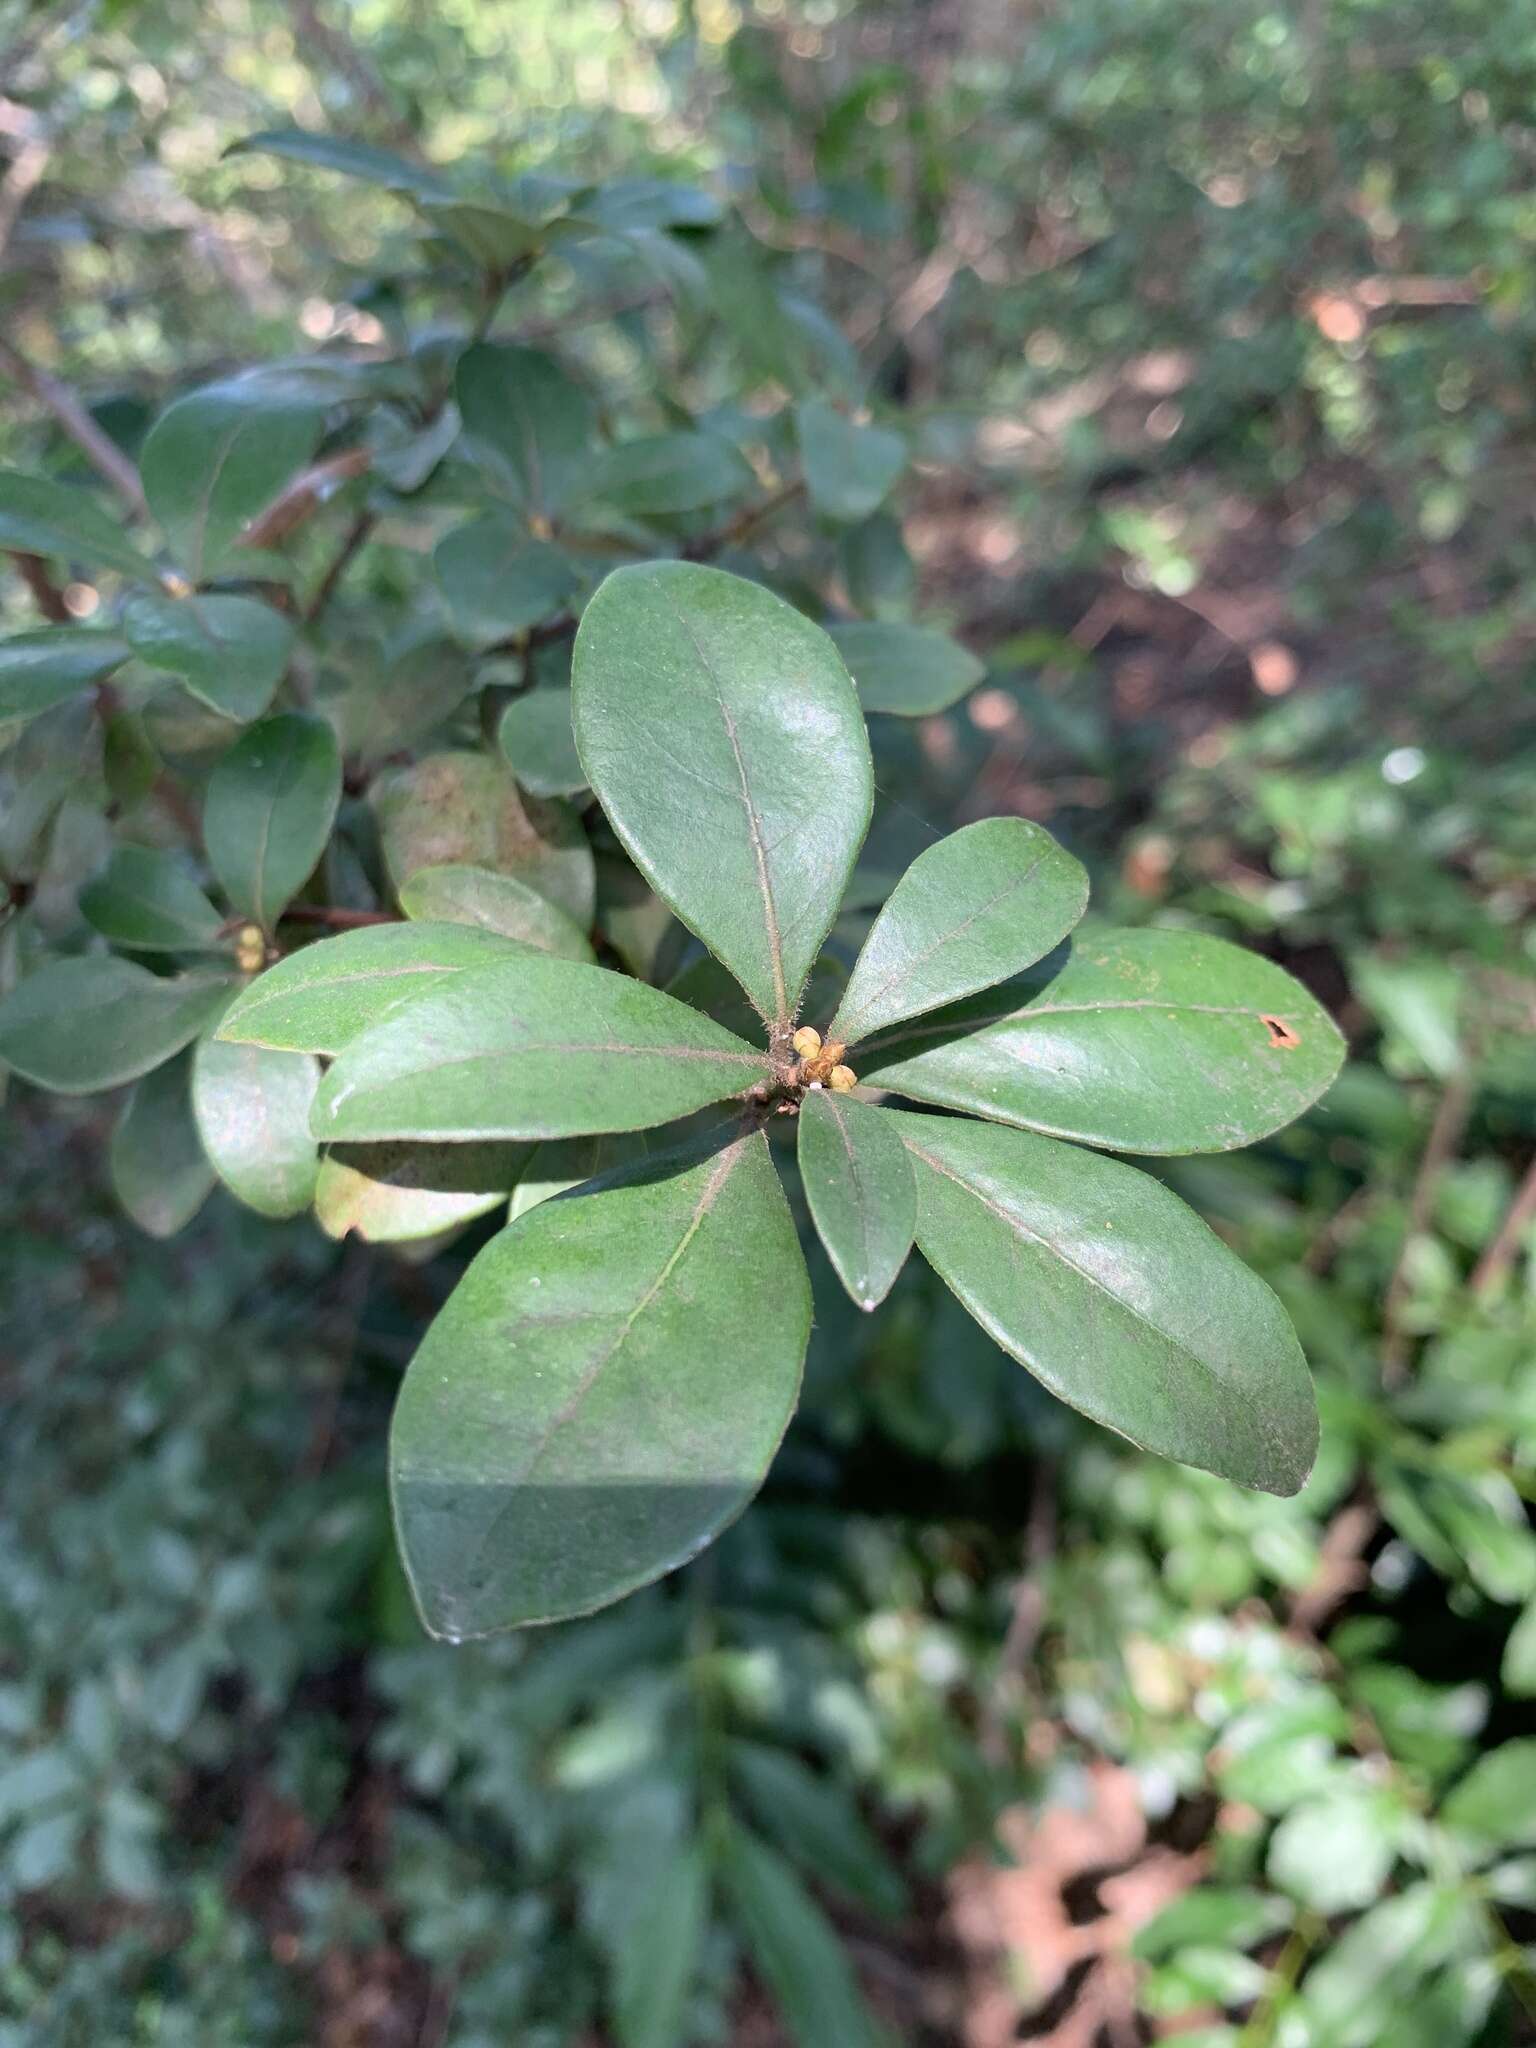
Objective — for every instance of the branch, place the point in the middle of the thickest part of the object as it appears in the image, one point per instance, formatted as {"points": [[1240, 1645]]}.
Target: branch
{"points": [[735, 530], [356, 536], [1444, 1137], [1499, 1256], [343, 56], [98, 448], [46, 595]]}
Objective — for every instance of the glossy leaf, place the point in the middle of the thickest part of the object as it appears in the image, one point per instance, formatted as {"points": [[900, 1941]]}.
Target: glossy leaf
{"points": [[160, 1172], [39, 670], [566, 1433], [496, 581], [794, 1948], [660, 1952], [1117, 1297], [909, 670], [271, 803], [556, 1165], [229, 651], [216, 458], [849, 469], [660, 474], [540, 745], [397, 1193], [80, 1025], [147, 901], [41, 517], [1139, 1041], [252, 1109], [530, 418], [536, 1048], [321, 998], [859, 1186], [466, 810], [973, 910], [338, 153], [497, 903], [721, 735]]}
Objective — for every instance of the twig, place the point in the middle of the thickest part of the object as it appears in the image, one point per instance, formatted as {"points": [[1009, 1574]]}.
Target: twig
{"points": [[46, 594], [1029, 1605], [342, 920], [1340, 1568], [356, 536], [710, 544], [343, 55], [1445, 1135], [1499, 1256], [98, 448], [22, 180]]}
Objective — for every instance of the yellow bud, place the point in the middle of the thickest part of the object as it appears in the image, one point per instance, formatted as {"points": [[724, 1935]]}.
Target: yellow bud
{"points": [[807, 1042], [842, 1079], [250, 949]]}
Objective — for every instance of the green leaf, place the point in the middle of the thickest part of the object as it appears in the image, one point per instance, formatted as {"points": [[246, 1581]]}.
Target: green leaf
{"points": [[556, 1165], [393, 1194], [1419, 1001], [723, 738], [1117, 1297], [1356, 1994], [146, 900], [338, 153], [497, 581], [529, 417], [849, 469], [1494, 1806], [216, 458], [537, 1048], [1518, 1670], [229, 651], [814, 1820], [498, 903], [320, 999], [39, 670], [1143, 1041], [973, 910], [910, 670], [41, 517], [252, 1109], [537, 738], [271, 803], [160, 1172], [565, 1433], [1335, 1853], [659, 1953], [466, 810], [496, 237], [661, 474], [860, 1190], [76, 1026], [794, 1949]]}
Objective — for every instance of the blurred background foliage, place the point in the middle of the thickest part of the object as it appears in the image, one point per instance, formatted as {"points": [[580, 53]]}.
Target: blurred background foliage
{"points": [[1211, 330]]}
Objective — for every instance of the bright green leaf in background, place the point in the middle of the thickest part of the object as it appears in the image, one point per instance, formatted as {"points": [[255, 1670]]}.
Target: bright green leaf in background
{"points": [[537, 1048], [1139, 1041], [860, 1189], [252, 1109], [603, 1392], [1118, 1297], [39, 670], [270, 807], [229, 651], [498, 903], [396, 1193], [910, 670], [973, 910], [720, 732]]}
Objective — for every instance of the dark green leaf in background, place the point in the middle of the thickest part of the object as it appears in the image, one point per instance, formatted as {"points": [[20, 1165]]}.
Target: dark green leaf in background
{"points": [[499, 903], [270, 807], [147, 901], [533, 421], [339, 153], [849, 469], [794, 1948], [603, 1392], [80, 1025], [859, 1186], [660, 1952], [41, 517], [216, 458], [1117, 1297], [973, 910], [38, 670], [537, 738], [229, 651], [912, 671], [160, 1172], [396, 1193], [1139, 1041], [814, 1820], [496, 581], [321, 998], [252, 1109], [666, 473], [538, 1048], [721, 734]]}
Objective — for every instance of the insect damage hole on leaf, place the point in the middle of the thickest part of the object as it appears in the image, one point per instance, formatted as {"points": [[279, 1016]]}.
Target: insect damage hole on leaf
{"points": [[1280, 1033]]}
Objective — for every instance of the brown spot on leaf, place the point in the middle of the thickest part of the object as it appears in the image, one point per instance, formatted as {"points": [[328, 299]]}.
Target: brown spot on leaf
{"points": [[1280, 1033]]}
